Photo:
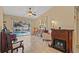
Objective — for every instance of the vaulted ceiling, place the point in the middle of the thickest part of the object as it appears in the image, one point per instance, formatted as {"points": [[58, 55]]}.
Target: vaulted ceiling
{"points": [[23, 10]]}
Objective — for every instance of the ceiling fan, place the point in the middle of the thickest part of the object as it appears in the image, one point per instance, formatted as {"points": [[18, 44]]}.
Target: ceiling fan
{"points": [[30, 13]]}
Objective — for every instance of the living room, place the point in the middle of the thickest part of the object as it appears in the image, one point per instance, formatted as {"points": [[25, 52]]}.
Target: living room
{"points": [[32, 24]]}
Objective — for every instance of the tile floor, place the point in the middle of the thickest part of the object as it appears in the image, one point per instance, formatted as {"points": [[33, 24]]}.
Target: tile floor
{"points": [[35, 44]]}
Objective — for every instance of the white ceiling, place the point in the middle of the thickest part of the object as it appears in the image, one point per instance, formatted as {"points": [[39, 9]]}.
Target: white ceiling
{"points": [[22, 10]]}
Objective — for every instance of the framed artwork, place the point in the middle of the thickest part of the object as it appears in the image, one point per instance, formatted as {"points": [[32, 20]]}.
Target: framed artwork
{"points": [[21, 27]]}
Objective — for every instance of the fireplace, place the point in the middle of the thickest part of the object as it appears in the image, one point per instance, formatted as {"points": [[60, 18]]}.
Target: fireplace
{"points": [[59, 44], [62, 40]]}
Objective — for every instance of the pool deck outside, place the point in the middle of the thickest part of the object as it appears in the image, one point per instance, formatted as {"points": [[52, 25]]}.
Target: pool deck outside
{"points": [[22, 33]]}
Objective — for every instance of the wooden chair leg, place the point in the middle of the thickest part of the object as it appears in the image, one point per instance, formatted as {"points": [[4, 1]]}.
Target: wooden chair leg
{"points": [[11, 51], [22, 49], [17, 49]]}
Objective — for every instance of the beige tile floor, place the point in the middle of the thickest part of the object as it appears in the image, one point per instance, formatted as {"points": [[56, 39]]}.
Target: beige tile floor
{"points": [[35, 44], [40, 46]]}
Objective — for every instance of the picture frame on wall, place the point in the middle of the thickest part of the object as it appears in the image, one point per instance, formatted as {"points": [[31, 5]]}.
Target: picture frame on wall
{"points": [[21, 27]]}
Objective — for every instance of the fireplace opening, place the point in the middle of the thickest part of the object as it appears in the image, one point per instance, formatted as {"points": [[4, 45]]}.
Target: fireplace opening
{"points": [[59, 45]]}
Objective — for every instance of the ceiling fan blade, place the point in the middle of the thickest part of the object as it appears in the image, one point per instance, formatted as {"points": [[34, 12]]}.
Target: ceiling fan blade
{"points": [[34, 14]]}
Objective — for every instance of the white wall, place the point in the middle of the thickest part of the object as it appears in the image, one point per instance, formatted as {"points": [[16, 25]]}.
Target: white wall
{"points": [[1, 18], [63, 16]]}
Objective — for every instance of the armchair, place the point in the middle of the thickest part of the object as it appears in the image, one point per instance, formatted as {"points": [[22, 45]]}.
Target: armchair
{"points": [[7, 43]]}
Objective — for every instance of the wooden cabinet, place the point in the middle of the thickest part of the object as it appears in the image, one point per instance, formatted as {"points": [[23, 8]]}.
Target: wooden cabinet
{"points": [[65, 35]]}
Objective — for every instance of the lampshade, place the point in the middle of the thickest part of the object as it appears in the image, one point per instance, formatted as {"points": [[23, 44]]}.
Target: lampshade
{"points": [[53, 22]]}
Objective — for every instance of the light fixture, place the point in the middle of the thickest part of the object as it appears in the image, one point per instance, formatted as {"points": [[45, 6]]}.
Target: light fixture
{"points": [[30, 12], [53, 24]]}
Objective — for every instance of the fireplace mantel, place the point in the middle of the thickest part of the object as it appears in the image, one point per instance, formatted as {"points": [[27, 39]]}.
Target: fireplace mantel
{"points": [[63, 34]]}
